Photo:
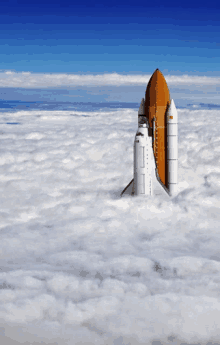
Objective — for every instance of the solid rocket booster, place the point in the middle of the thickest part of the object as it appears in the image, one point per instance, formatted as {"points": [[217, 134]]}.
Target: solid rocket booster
{"points": [[156, 142], [172, 147]]}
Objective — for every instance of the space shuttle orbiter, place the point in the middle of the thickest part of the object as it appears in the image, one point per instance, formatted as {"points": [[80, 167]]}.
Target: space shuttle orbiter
{"points": [[156, 141]]}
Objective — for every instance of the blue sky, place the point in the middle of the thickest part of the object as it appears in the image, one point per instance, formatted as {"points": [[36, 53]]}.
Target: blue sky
{"points": [[123, 37], [95, 37]]}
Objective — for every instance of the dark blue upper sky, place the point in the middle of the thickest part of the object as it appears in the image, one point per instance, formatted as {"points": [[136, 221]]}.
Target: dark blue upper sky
{"points": [[97, 36]]}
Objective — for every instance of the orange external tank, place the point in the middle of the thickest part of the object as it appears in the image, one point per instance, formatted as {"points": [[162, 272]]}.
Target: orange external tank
{"points": [[157, 100]]}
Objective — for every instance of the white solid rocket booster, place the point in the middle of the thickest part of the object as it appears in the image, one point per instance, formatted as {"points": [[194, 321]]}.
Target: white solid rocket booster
{"points": [[141, 112], [172, 147]]}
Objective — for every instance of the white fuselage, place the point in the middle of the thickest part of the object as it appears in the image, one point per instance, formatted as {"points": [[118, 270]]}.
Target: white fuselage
{"points": [[143, 162]]}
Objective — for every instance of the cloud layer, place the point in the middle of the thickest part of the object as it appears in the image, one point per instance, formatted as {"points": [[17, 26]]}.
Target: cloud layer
{"points": [[41, 80], [79, 264]]}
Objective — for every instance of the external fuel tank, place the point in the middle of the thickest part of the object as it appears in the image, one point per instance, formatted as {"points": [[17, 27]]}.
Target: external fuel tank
{"points": [[157, 100]]}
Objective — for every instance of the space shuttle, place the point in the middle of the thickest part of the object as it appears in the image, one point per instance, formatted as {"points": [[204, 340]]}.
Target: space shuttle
{"points": [[156, 142]]}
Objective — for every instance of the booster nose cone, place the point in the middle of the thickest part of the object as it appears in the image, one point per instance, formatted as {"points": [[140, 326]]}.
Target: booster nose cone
{"points": [[172, 112]]}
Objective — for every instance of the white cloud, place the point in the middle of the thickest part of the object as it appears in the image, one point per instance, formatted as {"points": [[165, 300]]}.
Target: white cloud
{"points": [[46, 80], [79, 264]]}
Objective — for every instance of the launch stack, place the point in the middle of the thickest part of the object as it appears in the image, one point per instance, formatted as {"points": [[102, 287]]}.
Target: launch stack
{"points": [[156, 141]]}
